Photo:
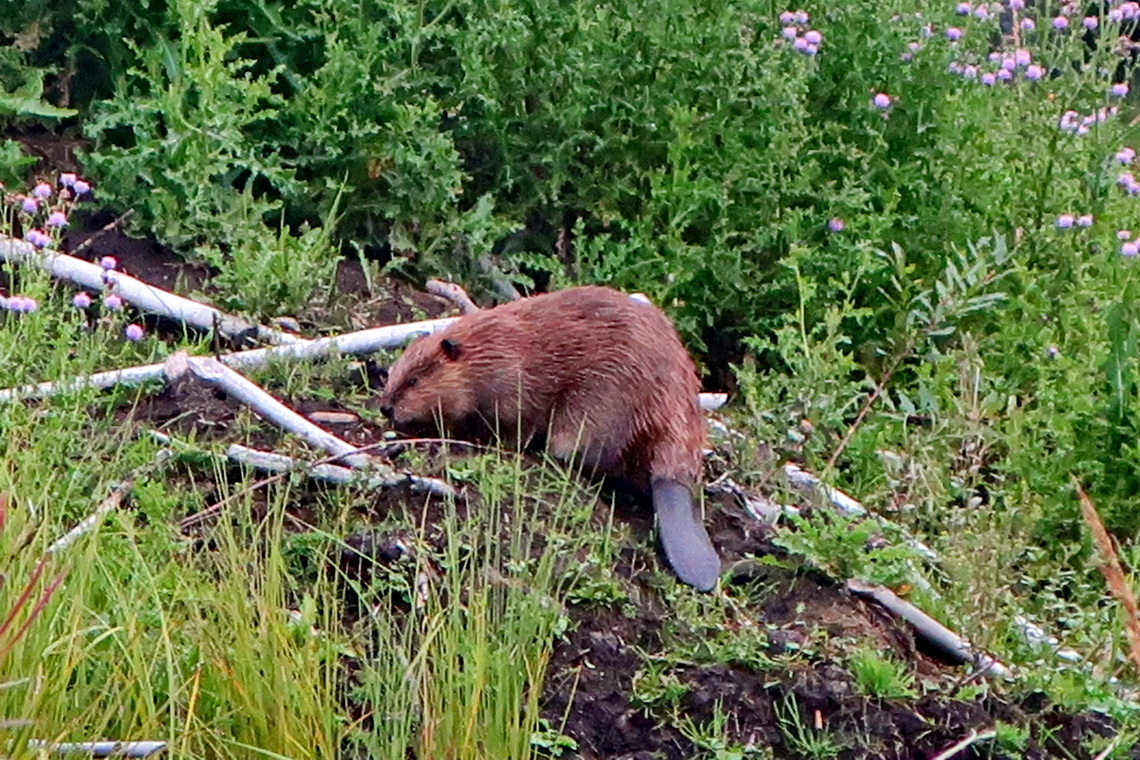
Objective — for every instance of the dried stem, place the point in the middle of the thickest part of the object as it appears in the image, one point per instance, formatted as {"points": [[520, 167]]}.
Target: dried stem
{"points": [[1112, 571]]}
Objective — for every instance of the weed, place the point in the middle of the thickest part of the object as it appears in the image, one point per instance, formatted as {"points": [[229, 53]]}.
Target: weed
{"points": [[880, 677], [805, 740]]}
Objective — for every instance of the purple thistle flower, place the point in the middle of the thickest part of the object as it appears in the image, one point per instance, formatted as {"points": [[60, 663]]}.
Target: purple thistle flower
{"points": [[81, 188], [81, 300], [1125, 155], [953, 33], [22, 304], [1028, 25], [1129, 11], [802, 17], [1115, 15], [1004, 75], [790, 32], [811, 49], [989, 79], [954, 67], [1085, 220], [67, 179], [109, 262], [1022, 57], [1033, 72], [42, 191], [963, 9], [1123, 234], [1008, 63], [134, 332], [1090, 22], [881, 101], [835, 224], [113, 302], [29, 205], [1060, 22], [787, 18], [970, 71], [56, 219], [800, 44], [906, 57], [1068, 121], [1064, 221], [1052, 352], [981, 12], [1017, 5], [1129, 249], [1119, 89], [37, 238], [813, 37]]}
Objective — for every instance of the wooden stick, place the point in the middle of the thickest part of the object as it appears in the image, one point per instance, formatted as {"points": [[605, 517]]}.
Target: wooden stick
{"points": [[99, 749], [454, 293], [241, 388], [89, 523], [361, 342], [136, 292], [371, 477], [949, 643]]}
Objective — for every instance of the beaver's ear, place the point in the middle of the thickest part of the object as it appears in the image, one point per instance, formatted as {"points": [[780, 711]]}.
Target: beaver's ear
{"points": [[450, 349]]}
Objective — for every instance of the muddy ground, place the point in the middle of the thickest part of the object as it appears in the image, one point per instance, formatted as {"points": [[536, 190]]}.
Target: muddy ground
{"points": [[589, 691]]}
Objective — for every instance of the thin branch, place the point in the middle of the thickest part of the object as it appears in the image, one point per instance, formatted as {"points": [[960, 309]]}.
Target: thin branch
{"points": [[136, 292], [113, 224], [957, 747]]}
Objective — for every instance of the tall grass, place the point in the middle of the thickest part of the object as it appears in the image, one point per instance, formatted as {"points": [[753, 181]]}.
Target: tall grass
{"points": [[481, 611]]}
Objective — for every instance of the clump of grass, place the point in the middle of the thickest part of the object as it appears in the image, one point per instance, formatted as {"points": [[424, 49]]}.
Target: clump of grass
{"points": [[458, 667], [879, 676]]}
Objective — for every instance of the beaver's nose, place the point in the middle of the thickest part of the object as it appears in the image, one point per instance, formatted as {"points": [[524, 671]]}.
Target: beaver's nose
{"points": [[386, 411]]}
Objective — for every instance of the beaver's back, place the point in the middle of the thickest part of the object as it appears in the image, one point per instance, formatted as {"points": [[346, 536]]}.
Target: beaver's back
{"points": [[590, 368]]}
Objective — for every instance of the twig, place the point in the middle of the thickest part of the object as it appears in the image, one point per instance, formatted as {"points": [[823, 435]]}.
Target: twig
{"points": [[879, 386], [361, 342], [973, 738], [371, 477], [136, 292], [948, 642], [192, 520], [113, 224], [712, 401], [89, 523], [804, 482], [452, 292], [1113, 572], [99, 749]]}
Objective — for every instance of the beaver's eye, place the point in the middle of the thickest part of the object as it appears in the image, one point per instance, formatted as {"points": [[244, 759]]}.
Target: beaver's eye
{"points": [[412, 382]]}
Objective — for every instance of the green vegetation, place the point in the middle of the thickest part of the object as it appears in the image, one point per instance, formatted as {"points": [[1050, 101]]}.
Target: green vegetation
{"points": [[918, 273]]}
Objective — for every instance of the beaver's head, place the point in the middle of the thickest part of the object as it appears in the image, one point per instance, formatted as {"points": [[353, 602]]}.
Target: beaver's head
{"points": [[428, 387]]}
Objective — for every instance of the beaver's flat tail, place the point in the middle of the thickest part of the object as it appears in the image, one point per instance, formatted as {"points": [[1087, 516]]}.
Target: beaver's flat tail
{"points": [[683, 535]]}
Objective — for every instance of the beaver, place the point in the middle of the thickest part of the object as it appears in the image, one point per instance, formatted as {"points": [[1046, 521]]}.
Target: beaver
{"points": [[588, 373]]}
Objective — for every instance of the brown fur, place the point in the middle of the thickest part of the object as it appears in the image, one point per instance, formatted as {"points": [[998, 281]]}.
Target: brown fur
{"points": [[588, 371]]}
